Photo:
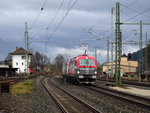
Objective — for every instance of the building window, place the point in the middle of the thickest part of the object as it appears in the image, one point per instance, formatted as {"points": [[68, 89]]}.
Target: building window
{"points": [[17, 63], [23, 57]]}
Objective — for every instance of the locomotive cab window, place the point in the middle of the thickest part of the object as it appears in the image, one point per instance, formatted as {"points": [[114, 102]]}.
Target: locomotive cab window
{"points": [[87, 62]]}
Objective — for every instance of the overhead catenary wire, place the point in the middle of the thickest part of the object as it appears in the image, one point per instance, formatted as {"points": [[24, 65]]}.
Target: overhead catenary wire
{"points": [[45, 30], [37, 36], [62, 20], [55, 14], [135, 10], [38, 15], [127, 6], [69, 4], [105, 19], [130, 37], [138, 14], [65, 15], [102, 21], [43, 5], [132, 3], [52, 34]]}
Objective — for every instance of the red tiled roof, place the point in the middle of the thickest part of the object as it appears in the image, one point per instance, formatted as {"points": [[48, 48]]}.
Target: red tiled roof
{"points": [[18, 51]]}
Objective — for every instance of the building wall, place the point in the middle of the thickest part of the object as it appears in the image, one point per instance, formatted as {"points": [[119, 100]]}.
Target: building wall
{"points": [[18, 61], [143, 57], [146, 60], [129, 66], [126, 66]]}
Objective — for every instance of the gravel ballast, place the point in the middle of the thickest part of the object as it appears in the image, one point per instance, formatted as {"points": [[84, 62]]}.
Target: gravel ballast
{"points": [[40, 102], [36, 102], [104, 103]]}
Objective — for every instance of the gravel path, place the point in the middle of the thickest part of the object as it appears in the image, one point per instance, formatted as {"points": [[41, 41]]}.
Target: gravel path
{"points": [[36, 102]]}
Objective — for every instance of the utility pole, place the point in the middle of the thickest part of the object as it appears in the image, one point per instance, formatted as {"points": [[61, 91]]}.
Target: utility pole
{"points": [[118, 46], [141, 53], [96, 53], [146, 58], [112, 45], [107, 59], [140, 46], [26, 50]]}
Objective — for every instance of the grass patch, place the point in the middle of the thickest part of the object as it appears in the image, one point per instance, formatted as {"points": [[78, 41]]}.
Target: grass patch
{"points": [[23, 88]]}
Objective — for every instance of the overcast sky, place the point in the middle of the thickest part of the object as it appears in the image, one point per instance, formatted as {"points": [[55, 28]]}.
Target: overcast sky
{"points": [[66, 27]]}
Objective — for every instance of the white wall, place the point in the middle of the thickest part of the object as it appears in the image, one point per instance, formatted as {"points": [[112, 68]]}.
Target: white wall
{"points": [[18, 62]]}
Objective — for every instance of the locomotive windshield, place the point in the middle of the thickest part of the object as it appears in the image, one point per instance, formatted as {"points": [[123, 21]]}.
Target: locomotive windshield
{"points": [[87, 62]]}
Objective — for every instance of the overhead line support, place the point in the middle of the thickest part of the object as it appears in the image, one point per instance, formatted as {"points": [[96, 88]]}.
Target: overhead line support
{"points": [[118, 45], [26, 51]]}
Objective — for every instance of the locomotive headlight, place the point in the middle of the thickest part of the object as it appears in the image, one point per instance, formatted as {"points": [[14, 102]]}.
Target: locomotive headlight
{"points": [[78, 72], [95, 72]]}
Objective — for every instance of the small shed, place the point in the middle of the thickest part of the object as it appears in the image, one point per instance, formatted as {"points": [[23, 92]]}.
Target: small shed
{"points": [[7, 71]]}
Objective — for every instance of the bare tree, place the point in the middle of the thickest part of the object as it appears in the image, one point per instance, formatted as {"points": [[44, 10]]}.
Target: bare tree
{"points": [[59, 62], [8, 60], [39, 61]]}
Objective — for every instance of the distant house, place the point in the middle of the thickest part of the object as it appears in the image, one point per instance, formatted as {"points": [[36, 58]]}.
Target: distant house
{"points": [[127, 66], [18, 59]]}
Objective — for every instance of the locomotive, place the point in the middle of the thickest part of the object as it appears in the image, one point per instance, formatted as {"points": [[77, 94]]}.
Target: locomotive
{"points": [[82, 69]]}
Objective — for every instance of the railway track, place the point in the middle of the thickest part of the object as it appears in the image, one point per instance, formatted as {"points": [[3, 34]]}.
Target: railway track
{"points": [[13, 80], [141, 101], [132, 83], [67, 102]]}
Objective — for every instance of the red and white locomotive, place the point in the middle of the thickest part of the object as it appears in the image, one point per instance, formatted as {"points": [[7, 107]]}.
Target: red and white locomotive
{"points": [[82, 69]]}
